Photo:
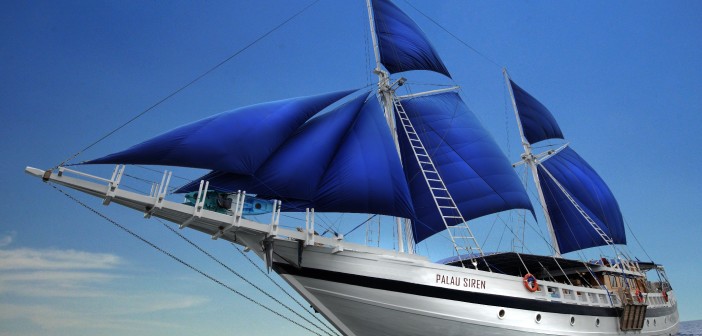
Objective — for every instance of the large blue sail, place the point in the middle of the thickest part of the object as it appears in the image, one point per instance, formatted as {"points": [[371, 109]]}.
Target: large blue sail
{"points": [[537, 121], [222, 141], [476, 172], [402, 44], [591, 193], [341, 161]]}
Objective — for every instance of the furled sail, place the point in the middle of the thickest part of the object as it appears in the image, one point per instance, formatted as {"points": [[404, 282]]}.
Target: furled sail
{"points": [[476, 172], [340, 161], [573, 232], [222, 141], [402, 44], [537, 121]]}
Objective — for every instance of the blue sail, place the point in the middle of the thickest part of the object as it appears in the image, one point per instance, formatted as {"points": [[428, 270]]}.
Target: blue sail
{"points": [[402, 44], [223, 141], [476, 172], [537, 121], [341, 161], [590, 192]]}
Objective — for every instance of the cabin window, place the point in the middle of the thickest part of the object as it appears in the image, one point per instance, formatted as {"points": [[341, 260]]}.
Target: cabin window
{"points": [[593, 297], [572, 320], [553, 292], [568, 294], [501, 314], [581, 296], [538, 318], [597, 322]]}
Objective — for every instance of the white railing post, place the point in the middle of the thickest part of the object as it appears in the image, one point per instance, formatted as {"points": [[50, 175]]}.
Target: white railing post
{"points": [[236, 214], [275, 219], [199, 203], [309, 226], [158, 192], [113, 184]]}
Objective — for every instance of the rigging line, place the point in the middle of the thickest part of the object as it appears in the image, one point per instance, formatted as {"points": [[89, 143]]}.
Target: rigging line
{"points": [[637, 240], [161, 172], [237, 274], [516, 236], [499, 242], [359, 225], [184, 263], [454, 36], [281, 287], [188, 84], [489, 232]]}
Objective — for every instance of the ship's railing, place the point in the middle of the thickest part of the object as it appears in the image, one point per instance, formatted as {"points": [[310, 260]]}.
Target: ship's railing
{"points": [[551, 291], [212, 222]]}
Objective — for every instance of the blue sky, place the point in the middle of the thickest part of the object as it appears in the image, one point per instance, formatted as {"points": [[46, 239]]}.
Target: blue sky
{"points": [[621, 77]]}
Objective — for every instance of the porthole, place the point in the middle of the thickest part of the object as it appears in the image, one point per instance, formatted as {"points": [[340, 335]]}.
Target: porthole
{"points": [[648, 322], [538, 318], [572, 320], [654, 322], [597, 322], [501, 314]]}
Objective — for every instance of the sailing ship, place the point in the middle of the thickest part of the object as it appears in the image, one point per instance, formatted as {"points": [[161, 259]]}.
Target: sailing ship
{"points": [[425, 160]]}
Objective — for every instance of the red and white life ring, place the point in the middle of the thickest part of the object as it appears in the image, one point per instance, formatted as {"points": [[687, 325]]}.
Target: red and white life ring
{"points": [[639, 296], [530, 283]]}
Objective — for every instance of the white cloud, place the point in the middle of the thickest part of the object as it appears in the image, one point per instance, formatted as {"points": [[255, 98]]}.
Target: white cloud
{"points": [[7, 239], [55, 273], [67, 290], [151, 304], [28, 259], [53, 283], [51, 317]]}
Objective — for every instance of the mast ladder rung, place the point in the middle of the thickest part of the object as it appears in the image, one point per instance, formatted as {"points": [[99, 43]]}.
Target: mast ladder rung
{"points": [[437, 188]]}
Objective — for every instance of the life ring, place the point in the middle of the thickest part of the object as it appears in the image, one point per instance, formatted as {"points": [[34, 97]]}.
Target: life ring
{"points": [[665, 296], [530, 283], [639, 296]]}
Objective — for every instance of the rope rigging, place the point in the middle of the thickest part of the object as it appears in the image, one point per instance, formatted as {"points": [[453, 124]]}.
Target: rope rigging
{"points": [[198, 78], [280, 287], [454, 36], [235, 272], [193, 268]]}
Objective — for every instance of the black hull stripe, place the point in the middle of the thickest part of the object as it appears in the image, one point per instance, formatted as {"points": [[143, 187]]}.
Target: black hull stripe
{"points": [[456, 295]]}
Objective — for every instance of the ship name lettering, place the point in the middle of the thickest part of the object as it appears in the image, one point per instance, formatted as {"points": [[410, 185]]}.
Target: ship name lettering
{"points": [[460, 281]]}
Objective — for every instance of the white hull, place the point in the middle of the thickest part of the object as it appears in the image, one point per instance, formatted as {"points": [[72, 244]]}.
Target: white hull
{"points": [[370, 291], [375, 307]]}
